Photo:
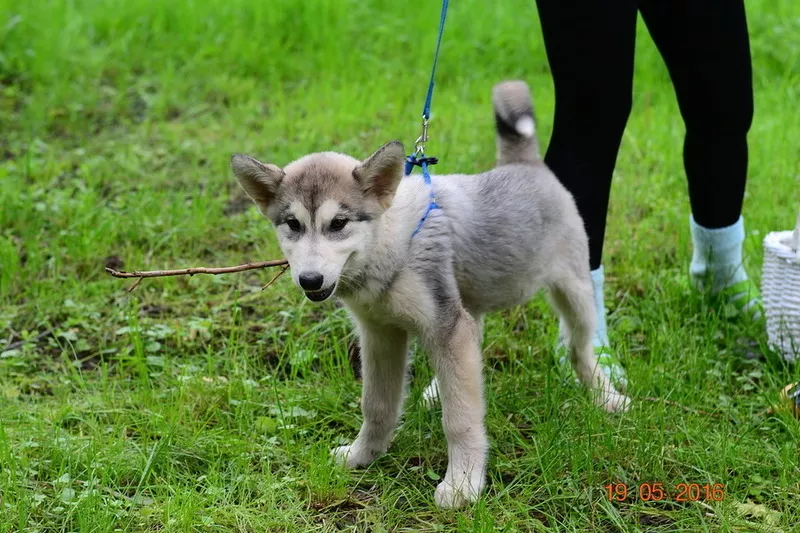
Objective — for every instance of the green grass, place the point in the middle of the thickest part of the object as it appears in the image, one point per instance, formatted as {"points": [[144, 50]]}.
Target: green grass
{"points": [[204, 404]]}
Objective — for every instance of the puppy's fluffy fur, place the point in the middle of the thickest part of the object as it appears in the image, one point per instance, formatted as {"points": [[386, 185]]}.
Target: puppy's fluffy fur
{"points": [[499, 236]]}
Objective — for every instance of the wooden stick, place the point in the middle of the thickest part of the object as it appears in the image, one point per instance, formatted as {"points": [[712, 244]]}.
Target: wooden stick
{"points": [[279, 274], [136, 284], [195, 270], [141, 274]]}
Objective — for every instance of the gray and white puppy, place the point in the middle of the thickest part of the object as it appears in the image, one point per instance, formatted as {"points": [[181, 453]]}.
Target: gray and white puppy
{"points": [[347, 229]]}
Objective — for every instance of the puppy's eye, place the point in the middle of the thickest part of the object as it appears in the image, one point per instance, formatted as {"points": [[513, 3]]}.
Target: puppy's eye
{"points": [[293, 224], [338, 223]]}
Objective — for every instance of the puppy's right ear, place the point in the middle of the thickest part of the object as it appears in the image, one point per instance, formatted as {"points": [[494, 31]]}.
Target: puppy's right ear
{"points": [[259, 180]]}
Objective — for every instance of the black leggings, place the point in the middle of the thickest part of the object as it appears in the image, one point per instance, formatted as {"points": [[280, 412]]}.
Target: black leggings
{"points": [[705, 45]]}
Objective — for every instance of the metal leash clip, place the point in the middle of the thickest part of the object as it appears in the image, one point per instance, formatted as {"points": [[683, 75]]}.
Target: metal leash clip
{"points": [[419, 144]]}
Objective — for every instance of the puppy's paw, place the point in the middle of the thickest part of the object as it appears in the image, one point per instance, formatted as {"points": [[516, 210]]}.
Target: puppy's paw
{"points": [[430, 396], [456, 494], [353, 456], [614, 402]]}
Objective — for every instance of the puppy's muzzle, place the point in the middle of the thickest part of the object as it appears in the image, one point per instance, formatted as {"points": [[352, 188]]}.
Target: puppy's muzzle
{"points": [[311, 283]]}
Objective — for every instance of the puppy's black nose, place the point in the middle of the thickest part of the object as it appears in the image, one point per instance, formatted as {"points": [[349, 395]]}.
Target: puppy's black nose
{"points": [[311, 281]]}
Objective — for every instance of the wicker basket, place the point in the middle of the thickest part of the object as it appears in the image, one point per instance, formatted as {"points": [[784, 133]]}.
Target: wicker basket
{"points": [[780, 289]]}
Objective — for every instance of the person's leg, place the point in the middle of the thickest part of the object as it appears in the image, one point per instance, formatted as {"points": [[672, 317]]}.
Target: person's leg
{"points": [[706, 48], [590, 48]]}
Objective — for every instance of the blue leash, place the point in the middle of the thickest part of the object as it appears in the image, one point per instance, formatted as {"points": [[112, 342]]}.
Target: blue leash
{"points": [[418, 158], [426, 111]]}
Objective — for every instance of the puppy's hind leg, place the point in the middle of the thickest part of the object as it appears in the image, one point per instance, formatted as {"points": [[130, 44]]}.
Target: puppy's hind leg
{"points": [[384, 352], [572, 297]]}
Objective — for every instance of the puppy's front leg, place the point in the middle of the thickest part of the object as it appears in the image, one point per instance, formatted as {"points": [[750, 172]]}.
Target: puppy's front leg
{"points": [[384, 352], [456, 357]]}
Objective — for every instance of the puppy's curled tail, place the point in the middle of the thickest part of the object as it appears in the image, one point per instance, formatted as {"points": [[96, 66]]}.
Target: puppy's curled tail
{"points": [[515, 123]]}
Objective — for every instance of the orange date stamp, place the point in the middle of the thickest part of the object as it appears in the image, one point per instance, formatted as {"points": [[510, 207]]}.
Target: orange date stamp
{"points": [[654, 492]]}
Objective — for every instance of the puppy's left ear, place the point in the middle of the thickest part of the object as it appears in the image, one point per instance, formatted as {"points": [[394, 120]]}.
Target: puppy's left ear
{"points": [[380, 173], [259, 180]]}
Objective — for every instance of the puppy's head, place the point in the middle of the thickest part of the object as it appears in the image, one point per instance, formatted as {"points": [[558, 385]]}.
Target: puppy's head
{"points": [[324, 207]]}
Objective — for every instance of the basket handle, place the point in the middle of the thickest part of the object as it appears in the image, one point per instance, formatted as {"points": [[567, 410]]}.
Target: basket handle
{"points": [[796, 236]]}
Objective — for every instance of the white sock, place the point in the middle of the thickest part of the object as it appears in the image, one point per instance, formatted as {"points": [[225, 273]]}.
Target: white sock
{"points": [[600, 333], [600, 337], [717, 255]]}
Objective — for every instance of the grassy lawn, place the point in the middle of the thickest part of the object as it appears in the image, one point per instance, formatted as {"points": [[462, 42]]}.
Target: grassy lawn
{"points": [[205, 404]]}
